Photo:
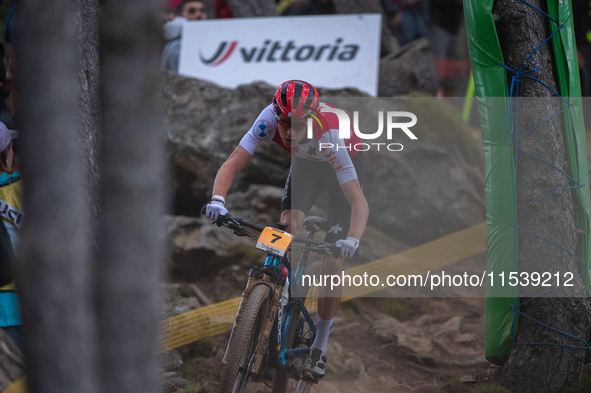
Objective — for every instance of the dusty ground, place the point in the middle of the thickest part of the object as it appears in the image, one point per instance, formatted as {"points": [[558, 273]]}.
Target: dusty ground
{"points": [[408, 344]]}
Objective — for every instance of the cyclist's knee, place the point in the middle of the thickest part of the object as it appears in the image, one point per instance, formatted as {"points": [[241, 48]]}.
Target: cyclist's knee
{"points": [[294, 219], [332, 265]]}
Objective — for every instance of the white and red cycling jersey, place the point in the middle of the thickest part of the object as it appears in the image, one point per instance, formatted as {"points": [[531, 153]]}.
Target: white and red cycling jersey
{"points": [[337, 152]]}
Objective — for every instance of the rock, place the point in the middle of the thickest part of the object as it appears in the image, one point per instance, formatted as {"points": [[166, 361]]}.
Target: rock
{"points": [[170, 361], [354, 369], [325, 387], [181, 306], [335, 359], [174, 384], [427, 388], [170, 292], [208, 387], [259, 203], [431, 188], [468, 379], [200, 248], [434, 186], [426, 344], [410, 68], [204, 124], [171, 374]]}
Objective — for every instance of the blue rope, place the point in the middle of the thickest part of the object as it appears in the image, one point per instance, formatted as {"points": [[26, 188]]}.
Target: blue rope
{"points": [[543, 196], [512, 126]]}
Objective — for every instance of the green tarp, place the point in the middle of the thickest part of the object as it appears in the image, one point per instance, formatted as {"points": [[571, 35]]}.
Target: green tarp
{"points": [[492, 92]]}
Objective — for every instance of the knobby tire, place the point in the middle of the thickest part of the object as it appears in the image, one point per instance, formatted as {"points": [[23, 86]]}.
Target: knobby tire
{"points": [[244, 342]]}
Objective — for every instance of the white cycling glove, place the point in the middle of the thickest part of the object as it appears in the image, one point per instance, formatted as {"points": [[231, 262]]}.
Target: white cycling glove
{"points": [[348, 246], [215, 209]]}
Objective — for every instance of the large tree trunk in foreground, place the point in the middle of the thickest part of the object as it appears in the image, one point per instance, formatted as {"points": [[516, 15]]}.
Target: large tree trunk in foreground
{"points": [[252, 8], [54, 267], [89, 109], [542, 368], [133, 202]]}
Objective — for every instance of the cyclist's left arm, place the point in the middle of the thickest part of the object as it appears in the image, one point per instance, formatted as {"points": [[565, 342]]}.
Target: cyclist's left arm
{"points": [[359, 208]]}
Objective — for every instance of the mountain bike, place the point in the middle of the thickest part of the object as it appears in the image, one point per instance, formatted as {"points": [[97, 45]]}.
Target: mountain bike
{"points": [[271, 333]]}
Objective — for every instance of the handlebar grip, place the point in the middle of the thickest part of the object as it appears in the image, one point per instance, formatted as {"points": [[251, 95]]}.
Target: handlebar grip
{"points": [[203, 209]]}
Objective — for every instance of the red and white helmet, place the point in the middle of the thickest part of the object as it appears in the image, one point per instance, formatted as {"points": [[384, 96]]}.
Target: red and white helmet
{"points": [[295, 99]]}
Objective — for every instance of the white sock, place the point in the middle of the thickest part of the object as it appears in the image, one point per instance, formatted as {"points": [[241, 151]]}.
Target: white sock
{"points": [[323, 330]]}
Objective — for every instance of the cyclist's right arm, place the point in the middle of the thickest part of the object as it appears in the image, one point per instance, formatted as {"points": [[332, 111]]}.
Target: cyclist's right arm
{"points": [[264, 127], [225, 176]]}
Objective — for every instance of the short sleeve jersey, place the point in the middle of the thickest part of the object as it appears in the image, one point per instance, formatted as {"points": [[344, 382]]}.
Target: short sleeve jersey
{"points": [[325, 146]]}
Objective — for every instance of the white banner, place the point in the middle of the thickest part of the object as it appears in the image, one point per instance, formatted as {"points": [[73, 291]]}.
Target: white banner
{"points": [[333, 51]]}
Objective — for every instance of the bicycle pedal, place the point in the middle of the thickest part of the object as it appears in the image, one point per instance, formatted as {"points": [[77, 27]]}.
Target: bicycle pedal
{"points": [[306, 377]]}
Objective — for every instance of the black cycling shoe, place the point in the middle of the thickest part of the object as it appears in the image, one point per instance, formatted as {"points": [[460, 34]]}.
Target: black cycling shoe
{"points": [[315, 366]]}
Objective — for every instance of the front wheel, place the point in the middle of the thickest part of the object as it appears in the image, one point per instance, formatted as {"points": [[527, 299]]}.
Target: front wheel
{"points": [[236, 373]]}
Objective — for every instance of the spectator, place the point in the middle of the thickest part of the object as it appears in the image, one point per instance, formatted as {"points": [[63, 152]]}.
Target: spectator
{"points": [[310, 7], [172, 34], [446, 18], [582, 24], [410, 20], [191, 10], [11, 199], [222, 10], [188, 10]]}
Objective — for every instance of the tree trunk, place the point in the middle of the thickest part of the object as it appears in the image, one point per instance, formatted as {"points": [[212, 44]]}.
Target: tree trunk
{"points": [[89, 109], [542, 368], [133, 181], [53, 271], [253, 8], [388, 43]]}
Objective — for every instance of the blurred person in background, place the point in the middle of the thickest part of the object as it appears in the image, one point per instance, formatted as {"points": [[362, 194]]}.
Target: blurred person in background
{"points": [[222, 10], [187, 10], [446, 19], [306, 7], [410, 20], [11, 211], [191, 10], [582, 24]]}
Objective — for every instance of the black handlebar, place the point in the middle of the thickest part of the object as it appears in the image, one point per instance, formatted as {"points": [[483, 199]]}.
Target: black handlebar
{"points": [[236, 224]]}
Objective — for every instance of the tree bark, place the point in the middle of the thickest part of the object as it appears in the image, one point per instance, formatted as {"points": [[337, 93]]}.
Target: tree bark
{"points": [[133, 180], [253, 8], [542, 368], [54, 269], [87, 87]]}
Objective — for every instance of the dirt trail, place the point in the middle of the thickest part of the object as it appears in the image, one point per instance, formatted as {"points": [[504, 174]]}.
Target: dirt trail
{"points": [[384, 345]]}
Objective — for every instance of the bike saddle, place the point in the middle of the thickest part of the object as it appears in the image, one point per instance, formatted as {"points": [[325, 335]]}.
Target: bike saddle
{"points": [[315, 223]]}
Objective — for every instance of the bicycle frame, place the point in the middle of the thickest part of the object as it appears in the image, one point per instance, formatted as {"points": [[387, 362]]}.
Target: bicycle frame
{"points": [[276, 345]]}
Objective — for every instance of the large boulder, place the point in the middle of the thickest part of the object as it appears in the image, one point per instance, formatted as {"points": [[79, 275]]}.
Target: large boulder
{"points": [[410, 68], [204, 124], [433, 187], [200, 248]]}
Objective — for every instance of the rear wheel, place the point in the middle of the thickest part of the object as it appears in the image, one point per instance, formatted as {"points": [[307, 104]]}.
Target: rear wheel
{"points": [[236, 373], [300, 335]]}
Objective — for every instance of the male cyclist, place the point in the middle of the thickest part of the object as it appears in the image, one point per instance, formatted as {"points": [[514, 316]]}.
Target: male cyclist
{"points": [[323, 162]]}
